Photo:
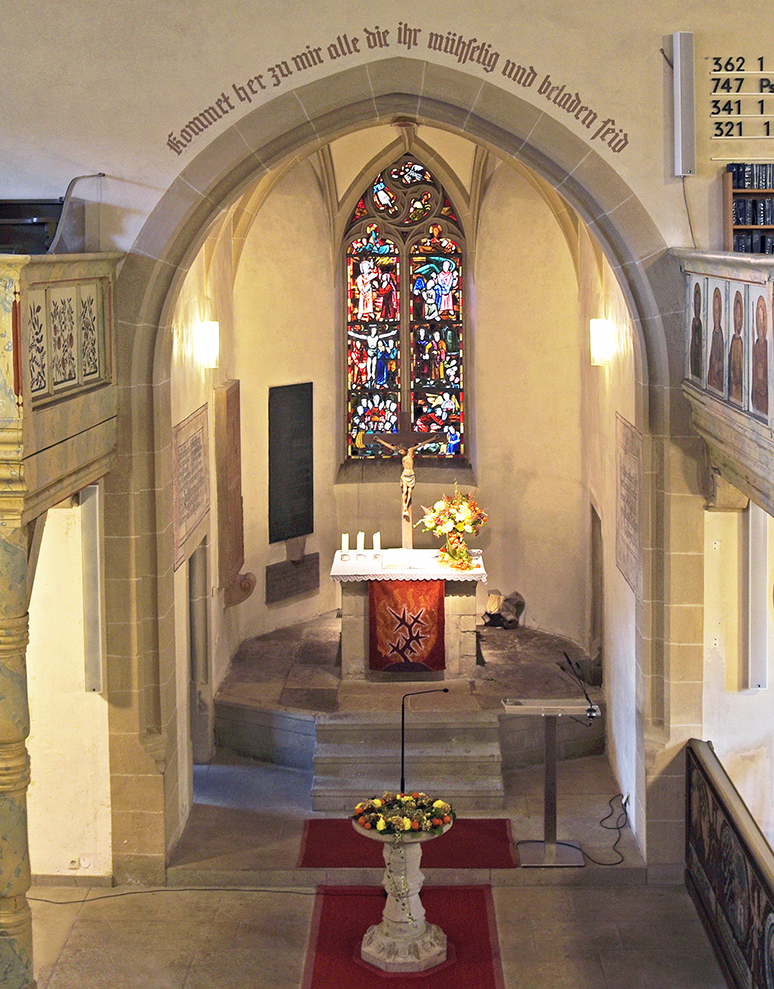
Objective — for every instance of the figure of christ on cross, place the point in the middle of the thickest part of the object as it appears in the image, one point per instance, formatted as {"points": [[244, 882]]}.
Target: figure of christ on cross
{"points": [[405, 442]]}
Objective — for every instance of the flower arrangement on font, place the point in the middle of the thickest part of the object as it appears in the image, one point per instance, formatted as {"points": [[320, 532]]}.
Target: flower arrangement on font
{"points": [[398, 813], [452, 518]]}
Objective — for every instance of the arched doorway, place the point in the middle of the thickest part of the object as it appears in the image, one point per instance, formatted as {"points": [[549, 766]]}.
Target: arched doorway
{"points": [[292, 125]]}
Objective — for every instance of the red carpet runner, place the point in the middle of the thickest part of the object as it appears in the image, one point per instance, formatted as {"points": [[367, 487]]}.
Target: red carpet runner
{"points": [[473, 843], [342, 914]]}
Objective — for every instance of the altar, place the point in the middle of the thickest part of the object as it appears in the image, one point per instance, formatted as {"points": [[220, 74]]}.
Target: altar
{"points": [[442, 599]]}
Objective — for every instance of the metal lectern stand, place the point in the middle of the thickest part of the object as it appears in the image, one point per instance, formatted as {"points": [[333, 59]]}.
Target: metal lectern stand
{"points": [[549, 851]]}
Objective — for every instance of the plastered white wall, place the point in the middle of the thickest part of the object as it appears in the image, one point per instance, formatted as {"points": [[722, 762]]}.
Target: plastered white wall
{"points": [[284, 319], [122, 101], [611, 389], [524, 388], [69, 796], [523, 352], [206, 293], [738, 721]]}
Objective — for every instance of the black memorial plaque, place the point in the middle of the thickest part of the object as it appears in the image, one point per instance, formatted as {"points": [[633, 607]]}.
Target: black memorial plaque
{"points": [[291, 487], [290, 578]]}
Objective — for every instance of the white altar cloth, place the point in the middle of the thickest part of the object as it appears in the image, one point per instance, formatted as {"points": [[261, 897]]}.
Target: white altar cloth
{"points": [[355, 574], [401, 564]]}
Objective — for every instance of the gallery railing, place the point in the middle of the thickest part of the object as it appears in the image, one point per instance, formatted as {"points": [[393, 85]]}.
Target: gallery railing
{"points": [[729, 871]]}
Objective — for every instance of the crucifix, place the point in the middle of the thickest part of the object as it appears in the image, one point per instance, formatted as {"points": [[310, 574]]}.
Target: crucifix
{"points": [[405, 442]]}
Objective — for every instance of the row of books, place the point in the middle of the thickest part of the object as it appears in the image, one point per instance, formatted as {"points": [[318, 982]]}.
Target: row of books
{"points": [[749, 212], [753, 243], [749, 175]]}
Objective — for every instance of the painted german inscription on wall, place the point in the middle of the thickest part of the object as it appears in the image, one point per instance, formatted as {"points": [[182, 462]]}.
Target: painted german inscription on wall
{"points": [[465, 50]]}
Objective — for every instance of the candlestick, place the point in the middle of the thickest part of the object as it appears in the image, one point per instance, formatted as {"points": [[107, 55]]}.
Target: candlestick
{"points": [[360, 542], [377, 542], [345, 542]]}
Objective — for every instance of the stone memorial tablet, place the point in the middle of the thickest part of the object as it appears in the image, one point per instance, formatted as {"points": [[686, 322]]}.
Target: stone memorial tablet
{"points": [[627, 543], [292, 577], [291, 477], [190, 477]]}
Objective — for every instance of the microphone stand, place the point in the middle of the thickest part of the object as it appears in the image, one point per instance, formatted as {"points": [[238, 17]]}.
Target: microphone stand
{"points": [[412, 693], [591, 713]]}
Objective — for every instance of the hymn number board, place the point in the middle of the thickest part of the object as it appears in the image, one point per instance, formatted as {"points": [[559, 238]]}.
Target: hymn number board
{"points": [[741, 97]]}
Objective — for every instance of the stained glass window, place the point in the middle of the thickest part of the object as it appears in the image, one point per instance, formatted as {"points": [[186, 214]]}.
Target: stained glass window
{"points": [[404, 280]]}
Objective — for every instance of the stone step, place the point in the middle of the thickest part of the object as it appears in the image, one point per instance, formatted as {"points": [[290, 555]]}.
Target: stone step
{"points": [[455, 754], [471, 758], [334, 793], [351, 729], [441, 718], [284, 737]]}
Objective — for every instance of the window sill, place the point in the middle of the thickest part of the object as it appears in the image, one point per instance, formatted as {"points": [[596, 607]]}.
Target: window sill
{"points": [[387, 471]]}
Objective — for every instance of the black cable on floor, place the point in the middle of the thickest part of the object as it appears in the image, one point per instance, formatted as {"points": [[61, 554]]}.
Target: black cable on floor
{"points": [[619, 825], [203, 889], [178, 889]]}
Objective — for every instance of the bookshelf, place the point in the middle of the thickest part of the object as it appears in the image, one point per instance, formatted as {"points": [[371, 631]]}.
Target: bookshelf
{"points": [[748, 208]]}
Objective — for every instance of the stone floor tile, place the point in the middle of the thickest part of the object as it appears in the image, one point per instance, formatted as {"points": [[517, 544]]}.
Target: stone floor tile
{"points": [[303, 698], [259, 694], [319, 651], [52, 922], [261, 911], [124, 956], [250, 965], [354, 877], [674, 934], [456, 877], [312, 676], [526, 903], [656, 904], [123, 905], [532, 968], [571, 935], [246, 830], [657, 969]]}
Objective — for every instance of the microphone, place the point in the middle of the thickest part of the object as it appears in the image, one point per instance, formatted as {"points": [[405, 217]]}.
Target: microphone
{"points": [[591, 712], [412, 693]]}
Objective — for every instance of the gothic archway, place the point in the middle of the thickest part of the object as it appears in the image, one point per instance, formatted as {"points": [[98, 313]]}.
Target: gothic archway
{"points": [[292, 125]]}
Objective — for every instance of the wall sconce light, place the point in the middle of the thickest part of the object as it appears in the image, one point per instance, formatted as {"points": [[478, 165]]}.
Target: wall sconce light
{"points": [[208, 342], [602, 339]]}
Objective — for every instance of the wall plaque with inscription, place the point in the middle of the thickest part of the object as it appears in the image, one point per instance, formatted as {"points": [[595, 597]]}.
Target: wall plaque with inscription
{"points": [[292, 577], [627, 530], [190, 477], [291, 468]]}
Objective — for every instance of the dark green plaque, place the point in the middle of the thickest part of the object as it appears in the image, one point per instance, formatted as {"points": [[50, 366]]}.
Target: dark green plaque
{"points": [[291, 474]]}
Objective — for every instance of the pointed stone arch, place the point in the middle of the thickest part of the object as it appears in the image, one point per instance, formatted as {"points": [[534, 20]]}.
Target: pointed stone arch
{"points": [[289, 127]]}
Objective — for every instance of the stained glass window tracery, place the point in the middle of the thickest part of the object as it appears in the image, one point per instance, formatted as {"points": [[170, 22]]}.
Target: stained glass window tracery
{"points": [[404, 281]]}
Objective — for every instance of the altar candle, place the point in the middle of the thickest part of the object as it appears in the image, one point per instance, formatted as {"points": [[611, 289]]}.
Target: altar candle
{"points": [[377, 542], [360, 542], [345, 542]]}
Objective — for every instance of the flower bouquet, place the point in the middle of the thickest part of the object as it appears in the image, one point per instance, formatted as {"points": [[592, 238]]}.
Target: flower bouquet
{"points": [[399, 813], [452, 518]]}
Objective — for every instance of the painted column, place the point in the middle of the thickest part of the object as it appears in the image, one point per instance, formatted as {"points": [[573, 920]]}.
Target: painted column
{"points": [[15, 918]]}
